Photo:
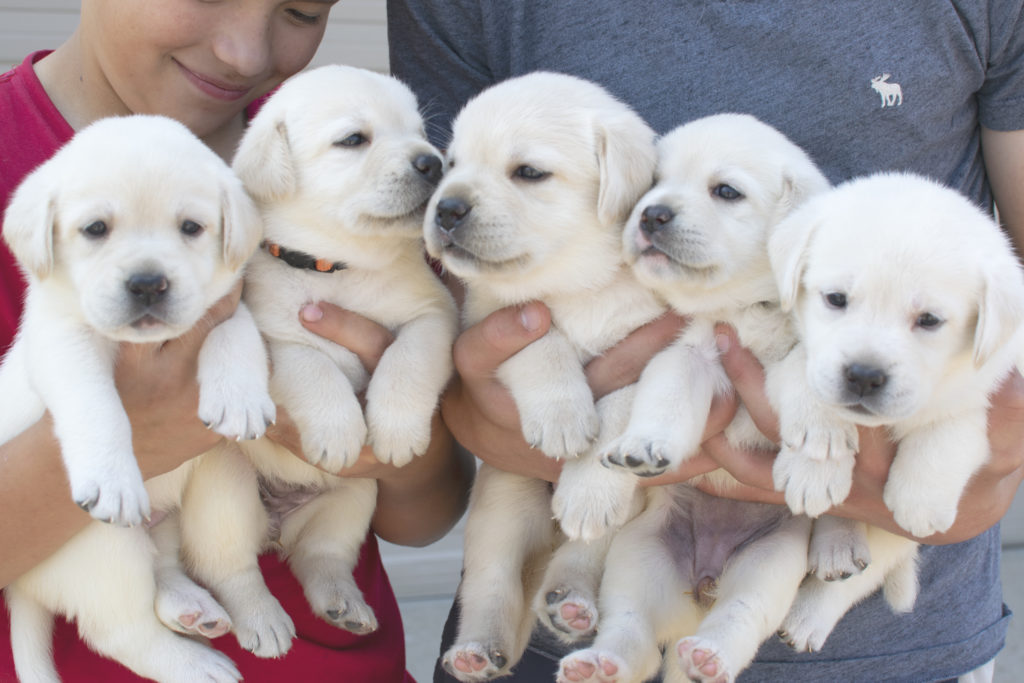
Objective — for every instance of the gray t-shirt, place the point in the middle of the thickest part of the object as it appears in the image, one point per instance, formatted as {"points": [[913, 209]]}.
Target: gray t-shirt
{"points": [[863, 86]]}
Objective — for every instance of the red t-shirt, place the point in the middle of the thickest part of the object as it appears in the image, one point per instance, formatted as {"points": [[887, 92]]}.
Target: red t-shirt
{"points": [[32, 130]]}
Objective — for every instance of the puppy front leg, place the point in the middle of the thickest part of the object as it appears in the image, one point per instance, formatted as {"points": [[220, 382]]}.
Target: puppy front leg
{"points": [[839, 548], [234, 399], [403, 393], [814, 466], [508, 529], [672, 405], [322, 401], [224, 526], [321, 540], [924, 488], [556, 406], [591, 499], [73, 371], [20, 405]]}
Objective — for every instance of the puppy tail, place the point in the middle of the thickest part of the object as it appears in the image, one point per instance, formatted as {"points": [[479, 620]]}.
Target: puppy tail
{"points": [[31, 638]]}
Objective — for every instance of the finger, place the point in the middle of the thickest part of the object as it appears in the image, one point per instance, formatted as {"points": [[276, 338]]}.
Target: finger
{"points": [[622, 364], [484, 346], [747, 378], [723, 410], [693, 466], [360, 335], [750, 466]]}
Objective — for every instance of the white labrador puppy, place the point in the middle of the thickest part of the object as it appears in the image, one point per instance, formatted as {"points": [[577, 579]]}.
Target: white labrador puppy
{"points": [[544, 170], [908, 302], [128, 234], [341, 171], [718, 575]]}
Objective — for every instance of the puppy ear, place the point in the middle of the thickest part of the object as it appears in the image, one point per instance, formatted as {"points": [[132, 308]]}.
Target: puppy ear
{"points": [[800, 182], [30, 222], [264, 160], [1000, 308], [787, 251], [626, 158], [241, 223]]}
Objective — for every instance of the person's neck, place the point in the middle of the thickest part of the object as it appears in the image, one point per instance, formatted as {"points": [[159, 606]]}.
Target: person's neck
{"points": [[81, 93], [78, 90]]}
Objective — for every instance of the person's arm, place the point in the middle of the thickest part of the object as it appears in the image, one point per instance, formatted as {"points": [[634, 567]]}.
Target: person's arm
{"points": [[417, 503], [157, 383]]}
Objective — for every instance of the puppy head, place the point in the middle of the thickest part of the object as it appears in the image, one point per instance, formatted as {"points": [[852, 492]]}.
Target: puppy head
{"points": [[341, 151], [723, 183], [543, 170], [901, 288], [135, 222]]}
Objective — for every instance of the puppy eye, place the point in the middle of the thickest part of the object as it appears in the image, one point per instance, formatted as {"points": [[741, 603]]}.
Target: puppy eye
{"points": [[190, 228], [530, 173], [726, 192], [836, 300], [354, 140], [929, 321], [95, 229]]}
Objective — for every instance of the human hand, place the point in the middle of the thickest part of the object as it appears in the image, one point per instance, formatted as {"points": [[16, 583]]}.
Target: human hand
{"points": [[983, 503], [479, 409], [158, 387]]}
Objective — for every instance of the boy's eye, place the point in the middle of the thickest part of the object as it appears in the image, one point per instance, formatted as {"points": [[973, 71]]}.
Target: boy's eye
{"points": [[303, 18]]}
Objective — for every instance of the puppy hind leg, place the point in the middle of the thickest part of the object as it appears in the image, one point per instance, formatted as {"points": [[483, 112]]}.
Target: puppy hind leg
{"points": [[322, 540], [757, 586], [181, 604], [31, 638], [567, 600], [223, 527], [509, 518]]}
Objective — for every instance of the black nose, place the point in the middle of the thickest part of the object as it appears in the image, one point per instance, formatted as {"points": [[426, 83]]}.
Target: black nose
{"points": [[429, 166], [654, 218], [450, 212], [864, 380], [147, 288]]}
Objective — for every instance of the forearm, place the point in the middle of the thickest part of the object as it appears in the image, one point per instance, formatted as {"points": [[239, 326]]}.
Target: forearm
{"points": [[38, 514], [418, 503]]}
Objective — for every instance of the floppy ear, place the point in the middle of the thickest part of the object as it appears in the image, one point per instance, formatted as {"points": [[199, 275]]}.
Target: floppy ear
{"points": [[800, 182], [626, 157], [1000, 308], [241, 224], [30, 221], [264, 160], [787, 250]]}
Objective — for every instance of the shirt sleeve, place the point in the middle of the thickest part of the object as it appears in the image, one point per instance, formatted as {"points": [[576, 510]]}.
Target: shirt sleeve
{"points": [[1001, 98], [437, 48]]}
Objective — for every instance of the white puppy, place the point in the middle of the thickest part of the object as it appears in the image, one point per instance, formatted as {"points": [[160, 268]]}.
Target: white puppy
{"points": [[908, 302], [544, 170], [718, 575], [340, 169], [129, 233]]}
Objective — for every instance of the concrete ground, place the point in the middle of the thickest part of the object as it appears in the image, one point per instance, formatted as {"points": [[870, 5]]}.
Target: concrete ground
{"points": [[424, 601]]}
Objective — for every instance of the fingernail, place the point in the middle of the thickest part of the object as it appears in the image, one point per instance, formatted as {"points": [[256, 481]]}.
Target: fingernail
{"points": [[529, 318], [311, 313], [723, 342]]}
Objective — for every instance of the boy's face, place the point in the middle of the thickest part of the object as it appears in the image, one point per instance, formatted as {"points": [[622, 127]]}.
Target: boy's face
{"points": [[199, 61]]}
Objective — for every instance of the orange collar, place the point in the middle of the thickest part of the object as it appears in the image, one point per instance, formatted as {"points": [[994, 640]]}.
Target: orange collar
{"points": [[298, 259]]}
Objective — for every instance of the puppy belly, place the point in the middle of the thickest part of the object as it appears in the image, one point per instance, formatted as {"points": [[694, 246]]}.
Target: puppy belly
{"points": [[704, 531]]}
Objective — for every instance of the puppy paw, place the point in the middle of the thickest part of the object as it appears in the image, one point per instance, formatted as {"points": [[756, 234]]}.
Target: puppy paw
{"points": [[471, 662], [340, 603], [265, 630], [587, 508], [803, 632], [399, 436], [919, 511], [118, 498], [813, 485], [560, 431], [593, 666], [701, 661], [192, 662], [839, 560], [243, 410], [644, 457], [333, 442], [568, 613], [188, 608]]}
